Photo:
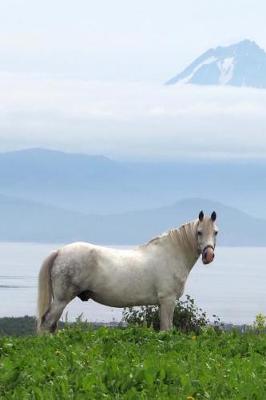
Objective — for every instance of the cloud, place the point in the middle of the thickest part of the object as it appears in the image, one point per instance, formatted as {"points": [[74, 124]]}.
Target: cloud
{"points": [[131, 120]]}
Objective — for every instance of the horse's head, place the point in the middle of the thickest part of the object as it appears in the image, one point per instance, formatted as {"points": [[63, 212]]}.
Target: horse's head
{"points": [[206, 236]]}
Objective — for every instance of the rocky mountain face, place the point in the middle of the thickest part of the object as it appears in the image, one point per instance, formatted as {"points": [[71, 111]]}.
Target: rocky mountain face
{"points": [[241, 64]]}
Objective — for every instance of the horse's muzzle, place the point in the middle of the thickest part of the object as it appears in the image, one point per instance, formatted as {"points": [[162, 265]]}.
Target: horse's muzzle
{"points": [[208, 255]]}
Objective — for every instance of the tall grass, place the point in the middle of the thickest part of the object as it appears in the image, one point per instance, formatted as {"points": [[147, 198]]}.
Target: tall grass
{"points": [[133, 363]]}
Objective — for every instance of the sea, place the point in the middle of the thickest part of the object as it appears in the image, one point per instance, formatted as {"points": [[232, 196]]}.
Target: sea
{"points": [[233, 287]]}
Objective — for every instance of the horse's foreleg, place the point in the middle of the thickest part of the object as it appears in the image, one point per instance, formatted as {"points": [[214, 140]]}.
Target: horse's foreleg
{"points": [[51, 317], [167, 306]]}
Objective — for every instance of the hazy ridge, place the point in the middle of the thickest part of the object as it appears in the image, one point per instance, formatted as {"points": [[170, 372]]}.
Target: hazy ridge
{"points": [[49, 196]]}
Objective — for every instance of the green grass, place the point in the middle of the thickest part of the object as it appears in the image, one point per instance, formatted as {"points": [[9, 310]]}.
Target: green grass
{"points": [[133, 363]]}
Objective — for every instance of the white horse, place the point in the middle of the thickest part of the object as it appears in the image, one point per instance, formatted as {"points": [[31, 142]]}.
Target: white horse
{"points": [[154, 273]]}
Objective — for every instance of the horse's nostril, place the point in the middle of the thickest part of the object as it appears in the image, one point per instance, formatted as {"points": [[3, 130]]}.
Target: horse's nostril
{"points": [[208, 255]]}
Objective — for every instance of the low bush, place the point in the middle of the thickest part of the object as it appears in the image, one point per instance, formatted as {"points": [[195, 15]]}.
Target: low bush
{"points": [[187, 316]]}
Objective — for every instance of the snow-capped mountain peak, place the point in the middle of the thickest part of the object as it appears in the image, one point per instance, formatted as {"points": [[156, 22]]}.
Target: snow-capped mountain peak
{"points": [[241, 64]]}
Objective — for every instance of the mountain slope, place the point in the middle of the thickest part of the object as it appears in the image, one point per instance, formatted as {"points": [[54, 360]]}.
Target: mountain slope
{"points": [[65, 180], [98, 185], [241, 64], [22, 220]]}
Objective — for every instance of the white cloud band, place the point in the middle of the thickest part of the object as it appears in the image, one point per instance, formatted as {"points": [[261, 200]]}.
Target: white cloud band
{"points": [[133, 120]]}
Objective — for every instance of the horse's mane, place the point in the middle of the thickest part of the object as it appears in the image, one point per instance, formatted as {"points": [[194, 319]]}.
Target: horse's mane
{"points": [[184, 237]]}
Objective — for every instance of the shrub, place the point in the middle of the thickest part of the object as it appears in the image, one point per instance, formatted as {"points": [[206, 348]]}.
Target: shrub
{"points": [[187, 316], [260, 323]]}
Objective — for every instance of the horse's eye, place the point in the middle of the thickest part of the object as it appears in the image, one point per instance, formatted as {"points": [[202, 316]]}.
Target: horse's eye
{"points": [[199, 233], [216, 233]]}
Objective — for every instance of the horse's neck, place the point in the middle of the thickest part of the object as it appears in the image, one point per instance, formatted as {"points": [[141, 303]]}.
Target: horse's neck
{"points": [[184, 238]]}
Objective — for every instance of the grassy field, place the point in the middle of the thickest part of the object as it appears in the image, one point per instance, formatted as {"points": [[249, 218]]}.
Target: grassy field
{"points": [[133, 363]]}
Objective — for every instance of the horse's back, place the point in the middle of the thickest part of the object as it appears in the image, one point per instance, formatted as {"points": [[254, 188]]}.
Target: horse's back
{"points": [[82, 259]]}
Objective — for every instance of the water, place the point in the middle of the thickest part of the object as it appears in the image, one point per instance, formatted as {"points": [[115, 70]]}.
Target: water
{"points": [[232, 287]]}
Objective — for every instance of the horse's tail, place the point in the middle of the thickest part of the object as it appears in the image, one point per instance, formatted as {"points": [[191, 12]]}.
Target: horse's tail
{"points": [[45, 287]]}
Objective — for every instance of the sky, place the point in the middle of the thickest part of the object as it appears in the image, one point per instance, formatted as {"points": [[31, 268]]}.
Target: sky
{"points": [[88, 76]]}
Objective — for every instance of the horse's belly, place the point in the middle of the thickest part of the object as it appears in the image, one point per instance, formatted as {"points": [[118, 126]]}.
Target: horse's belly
{"points": [[121, 287], [124, 300]]}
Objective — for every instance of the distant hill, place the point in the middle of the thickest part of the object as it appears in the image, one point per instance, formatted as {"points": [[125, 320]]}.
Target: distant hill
{"points": [[74, 181], [241, 64], [22, 220], [97, 185]]}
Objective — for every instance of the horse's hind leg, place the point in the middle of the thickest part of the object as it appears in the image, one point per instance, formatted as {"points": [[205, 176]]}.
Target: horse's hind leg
{"points": [[51, 317]]}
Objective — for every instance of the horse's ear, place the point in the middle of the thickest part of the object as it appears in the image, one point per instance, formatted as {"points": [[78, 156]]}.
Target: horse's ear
{"points": [[213, 216], [201, 216]]}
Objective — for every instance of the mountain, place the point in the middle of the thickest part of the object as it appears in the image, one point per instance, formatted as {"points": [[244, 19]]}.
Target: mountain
{"points": [[27, 221], [24, 220], [241, 64], [97, 185], [73, 181]]}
